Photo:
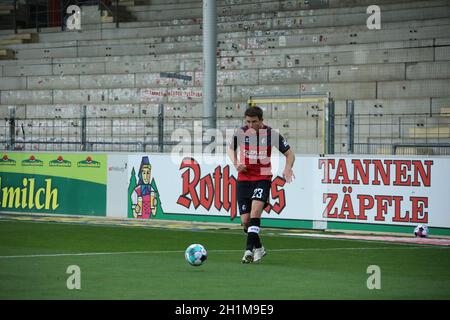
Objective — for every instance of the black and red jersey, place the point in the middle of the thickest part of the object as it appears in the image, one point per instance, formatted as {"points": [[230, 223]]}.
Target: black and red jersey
{"points": [[255, 150]]}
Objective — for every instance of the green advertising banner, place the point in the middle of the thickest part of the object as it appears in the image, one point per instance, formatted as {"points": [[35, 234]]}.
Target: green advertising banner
{"points": [[62, 183]]}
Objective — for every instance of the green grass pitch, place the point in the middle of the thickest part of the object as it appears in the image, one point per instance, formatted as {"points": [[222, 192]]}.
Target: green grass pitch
{"points": [[148, 263]]}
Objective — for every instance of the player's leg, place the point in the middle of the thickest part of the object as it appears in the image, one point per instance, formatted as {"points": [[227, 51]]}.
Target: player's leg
{"points": [[253, 239], [245, 220], [248, 254], [244, 204], [259, 201]]}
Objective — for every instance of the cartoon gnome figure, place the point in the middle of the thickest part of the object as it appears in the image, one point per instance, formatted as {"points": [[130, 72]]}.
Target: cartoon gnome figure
{"points": [[144, 196]]}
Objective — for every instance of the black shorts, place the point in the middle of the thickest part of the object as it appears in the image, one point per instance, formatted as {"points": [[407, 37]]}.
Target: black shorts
{"points": [[247, 191]]}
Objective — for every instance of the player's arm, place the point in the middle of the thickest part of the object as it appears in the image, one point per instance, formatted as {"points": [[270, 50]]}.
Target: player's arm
{"points": [[285, 148], [232, 154], [288, 173]]}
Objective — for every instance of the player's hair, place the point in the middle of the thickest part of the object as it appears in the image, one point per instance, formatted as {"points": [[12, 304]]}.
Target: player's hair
{"points": [[254, 111]]}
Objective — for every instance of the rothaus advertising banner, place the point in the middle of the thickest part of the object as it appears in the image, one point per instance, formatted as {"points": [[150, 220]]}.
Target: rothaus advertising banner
{"points": [[61, 183], [370, 190], [194, 185]]}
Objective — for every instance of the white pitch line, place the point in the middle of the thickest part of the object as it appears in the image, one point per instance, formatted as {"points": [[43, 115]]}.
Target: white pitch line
{"points": [[211, 251], [86, 254]]}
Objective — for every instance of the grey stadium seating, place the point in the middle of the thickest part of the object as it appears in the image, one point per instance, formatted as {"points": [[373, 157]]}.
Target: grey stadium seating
{"points": [[51, 77]]}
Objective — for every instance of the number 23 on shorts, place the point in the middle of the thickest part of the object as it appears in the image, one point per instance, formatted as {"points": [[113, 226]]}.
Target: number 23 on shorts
{"points": [[257, 193]]}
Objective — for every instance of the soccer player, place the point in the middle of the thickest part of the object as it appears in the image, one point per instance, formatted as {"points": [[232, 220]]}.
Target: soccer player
{"points": [[255, 141]]}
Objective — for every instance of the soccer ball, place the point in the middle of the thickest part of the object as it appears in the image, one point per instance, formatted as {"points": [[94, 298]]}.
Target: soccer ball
{"points": [[421, 231], [196, 254]]}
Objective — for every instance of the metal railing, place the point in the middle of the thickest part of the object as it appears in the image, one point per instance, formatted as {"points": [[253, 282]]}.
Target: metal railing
{"points": [[124, 134], [405, 134]]}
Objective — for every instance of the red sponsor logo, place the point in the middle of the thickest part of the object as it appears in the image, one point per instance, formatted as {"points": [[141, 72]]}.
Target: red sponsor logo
{"points": [[218, 190]]}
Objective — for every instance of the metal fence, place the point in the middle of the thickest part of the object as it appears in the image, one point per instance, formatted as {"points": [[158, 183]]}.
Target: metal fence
{"points": [[406, 134], [402, 134], [116, 134], [83, 134]]}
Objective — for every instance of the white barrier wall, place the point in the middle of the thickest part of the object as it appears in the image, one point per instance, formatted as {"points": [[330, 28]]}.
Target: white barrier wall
{"points": [[345, 192], [334, 192], [117, 185]]}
